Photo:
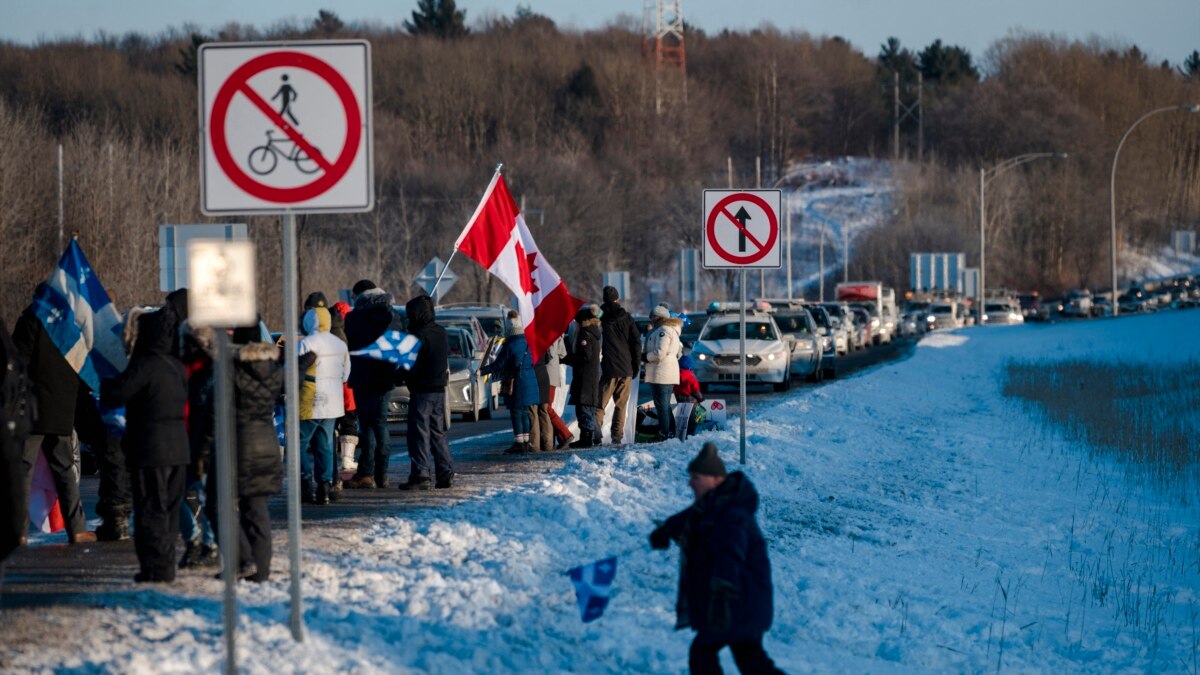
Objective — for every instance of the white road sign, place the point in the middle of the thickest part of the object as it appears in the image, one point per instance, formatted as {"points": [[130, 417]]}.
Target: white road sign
{"points": [[286, 127], [221, 283], [741, 229]]}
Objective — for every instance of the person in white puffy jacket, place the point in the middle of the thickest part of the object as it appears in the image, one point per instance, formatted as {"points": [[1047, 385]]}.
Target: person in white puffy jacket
{"points": [[321, 403], [661, 354]]}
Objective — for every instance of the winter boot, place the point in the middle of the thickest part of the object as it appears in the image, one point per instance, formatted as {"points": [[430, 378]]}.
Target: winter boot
{"points": [[209, 556], [361, 483], [115, 528], [335, 491], [306, 492], [584, 442], [191, 556], [322, 497]]}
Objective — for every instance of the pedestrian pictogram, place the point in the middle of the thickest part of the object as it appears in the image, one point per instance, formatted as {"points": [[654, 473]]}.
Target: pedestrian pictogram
{"points": [[741, 229], [286, 127]]}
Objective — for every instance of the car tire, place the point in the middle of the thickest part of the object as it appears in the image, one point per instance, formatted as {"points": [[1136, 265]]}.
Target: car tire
{"points": [[829, 373], [472, 416]]}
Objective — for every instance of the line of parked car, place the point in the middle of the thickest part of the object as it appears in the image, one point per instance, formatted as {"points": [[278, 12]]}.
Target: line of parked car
{"points": [[1178, 292]]}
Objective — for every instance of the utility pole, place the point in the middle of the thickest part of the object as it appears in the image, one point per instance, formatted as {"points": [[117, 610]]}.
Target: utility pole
{"points": [[762, 274], [895, 116], [60, 197]]}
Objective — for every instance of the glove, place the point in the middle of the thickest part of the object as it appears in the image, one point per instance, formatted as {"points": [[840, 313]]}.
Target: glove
{"points": [[659, 539], [720, 610]]}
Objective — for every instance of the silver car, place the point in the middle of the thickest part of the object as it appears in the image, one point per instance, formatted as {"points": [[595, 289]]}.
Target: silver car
{"points": [[717, 354], [800, 331]]}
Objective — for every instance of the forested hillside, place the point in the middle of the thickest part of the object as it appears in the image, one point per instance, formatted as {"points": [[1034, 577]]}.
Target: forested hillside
{"points": [[607, 182]]}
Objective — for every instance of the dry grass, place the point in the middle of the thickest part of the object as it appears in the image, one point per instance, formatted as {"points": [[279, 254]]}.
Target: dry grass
{"points": [[1148, 414]]}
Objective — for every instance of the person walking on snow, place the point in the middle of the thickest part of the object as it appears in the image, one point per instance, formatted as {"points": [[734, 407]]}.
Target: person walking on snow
{"points": [[372, 381], [662, 353], [321, 404], [427, 400], [514, 364], [622, 356], [725, 592], [584, 359]]}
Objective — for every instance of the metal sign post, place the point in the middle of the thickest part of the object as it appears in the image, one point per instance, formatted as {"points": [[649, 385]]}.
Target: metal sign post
{"points": [[291, 392], [741, 231], [311, 154], [221, 279], [226, 494], [742, 373]]}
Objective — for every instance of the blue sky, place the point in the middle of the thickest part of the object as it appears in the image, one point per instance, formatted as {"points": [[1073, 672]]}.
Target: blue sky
{"points": [[1165, 29]]}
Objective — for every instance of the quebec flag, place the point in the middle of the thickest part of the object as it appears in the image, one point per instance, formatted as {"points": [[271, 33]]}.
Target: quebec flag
{"points": [[394, 346], [82, 323], [593, 585]]}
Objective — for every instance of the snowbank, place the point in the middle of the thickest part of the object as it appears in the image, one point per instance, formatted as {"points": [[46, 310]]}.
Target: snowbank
{"points": [[917, 521]]}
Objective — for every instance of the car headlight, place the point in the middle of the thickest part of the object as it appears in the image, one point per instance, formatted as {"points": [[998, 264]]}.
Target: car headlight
{"points": [[702, 357], [771, 357]]}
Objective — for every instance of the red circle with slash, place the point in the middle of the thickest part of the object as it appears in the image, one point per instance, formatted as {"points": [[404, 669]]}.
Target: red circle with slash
{"points": [[238, 82], [763, 247]]}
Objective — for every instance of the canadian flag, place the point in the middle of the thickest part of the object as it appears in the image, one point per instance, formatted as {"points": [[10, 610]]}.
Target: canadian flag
{"points": [[497, 238]]}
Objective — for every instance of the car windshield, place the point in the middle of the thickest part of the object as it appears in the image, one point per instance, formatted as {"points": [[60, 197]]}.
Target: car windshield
{"points": [[835, 310], [995, 308], [820, 317], [492, 325], [942, 309], [791, 323], [696, 319], [457, 345], [755, 330]]}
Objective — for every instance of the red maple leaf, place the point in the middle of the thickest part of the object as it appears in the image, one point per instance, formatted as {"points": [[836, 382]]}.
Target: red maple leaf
{"points": [[526, 266]]}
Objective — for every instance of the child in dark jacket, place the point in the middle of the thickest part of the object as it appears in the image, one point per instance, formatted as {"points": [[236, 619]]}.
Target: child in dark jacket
{"points": [[154, 391]]}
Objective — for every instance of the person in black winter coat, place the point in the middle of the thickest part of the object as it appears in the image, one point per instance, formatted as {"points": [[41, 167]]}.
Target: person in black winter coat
{"points": [[622, 359], [725, 591], [56, 389], [372, 381], [584, 359], [16, 404], [427, 399], [258, 379], [153, 390]]}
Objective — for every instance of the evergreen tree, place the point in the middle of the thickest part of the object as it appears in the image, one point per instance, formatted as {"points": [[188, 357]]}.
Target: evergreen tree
{"points": [[895, 58], [947, 64], [188, 64], [327, 23], [439, 18], [1191, 65]]}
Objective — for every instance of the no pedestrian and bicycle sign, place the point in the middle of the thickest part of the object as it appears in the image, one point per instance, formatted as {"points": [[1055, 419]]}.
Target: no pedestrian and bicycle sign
{"points": [[741, 229], [286, 127]]}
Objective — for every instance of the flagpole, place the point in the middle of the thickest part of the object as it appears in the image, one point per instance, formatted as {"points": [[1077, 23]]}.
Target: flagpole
{"points": [[495, 176]]}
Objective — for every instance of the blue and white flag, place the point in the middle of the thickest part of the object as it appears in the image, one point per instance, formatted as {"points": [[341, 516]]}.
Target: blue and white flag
{"points": [[394, 346], [82, 322], [593, 585]]}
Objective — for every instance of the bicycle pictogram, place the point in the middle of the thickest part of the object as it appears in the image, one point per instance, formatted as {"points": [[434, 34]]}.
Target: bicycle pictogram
{"points": [[264, 158]]}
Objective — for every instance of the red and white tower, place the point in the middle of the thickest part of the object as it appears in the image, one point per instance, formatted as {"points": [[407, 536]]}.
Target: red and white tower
{"points": [[663, 48]]}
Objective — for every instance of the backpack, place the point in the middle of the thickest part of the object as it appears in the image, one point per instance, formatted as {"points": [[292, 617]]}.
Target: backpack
{"points": [[18, 407]]}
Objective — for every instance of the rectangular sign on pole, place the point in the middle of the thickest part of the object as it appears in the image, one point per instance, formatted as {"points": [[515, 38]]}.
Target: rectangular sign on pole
{"points": [[172, 249], [741, 229], [689, 278], [619, 281], [286, 126], [221, 283]]}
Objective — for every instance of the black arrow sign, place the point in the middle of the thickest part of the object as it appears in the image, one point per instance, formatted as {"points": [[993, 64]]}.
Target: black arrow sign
{"points": [[743, 218]]}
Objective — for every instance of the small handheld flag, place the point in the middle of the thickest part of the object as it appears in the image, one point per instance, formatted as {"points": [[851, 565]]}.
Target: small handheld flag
{"points": [[393, 346], [593, 585]]}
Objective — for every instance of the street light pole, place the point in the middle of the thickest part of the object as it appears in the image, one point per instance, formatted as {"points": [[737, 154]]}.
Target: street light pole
{"points": [[986, 176], [1112, 191]]}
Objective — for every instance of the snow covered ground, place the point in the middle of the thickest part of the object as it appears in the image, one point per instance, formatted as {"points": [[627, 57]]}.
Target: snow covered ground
{"points": [[917, 521]]}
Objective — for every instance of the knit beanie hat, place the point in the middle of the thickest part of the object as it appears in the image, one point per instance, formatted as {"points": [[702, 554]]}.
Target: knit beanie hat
{"points": [[316, 299], [708, 462], [611, 294], [661, 312], [686, 363], [363, 285]]}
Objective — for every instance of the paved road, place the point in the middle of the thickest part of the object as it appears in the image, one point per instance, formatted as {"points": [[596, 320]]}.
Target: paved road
{"points": [[51, 573]]}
